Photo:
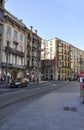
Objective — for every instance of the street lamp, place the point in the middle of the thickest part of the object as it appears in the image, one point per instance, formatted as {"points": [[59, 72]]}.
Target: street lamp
{"points": [[6, 64]]}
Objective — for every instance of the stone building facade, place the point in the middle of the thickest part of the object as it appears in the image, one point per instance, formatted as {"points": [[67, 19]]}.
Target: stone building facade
{"points": [[61, 60], [20, 47]]}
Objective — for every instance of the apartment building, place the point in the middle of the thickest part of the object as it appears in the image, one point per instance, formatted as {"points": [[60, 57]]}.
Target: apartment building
{"points": [[56, 54], [12, 46], [77, 61], [33, 54], [48, 56], [61, 60], [20, 49]]}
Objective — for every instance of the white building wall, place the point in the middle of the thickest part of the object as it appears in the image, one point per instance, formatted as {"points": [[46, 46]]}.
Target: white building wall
{"points": [[11, 39]]}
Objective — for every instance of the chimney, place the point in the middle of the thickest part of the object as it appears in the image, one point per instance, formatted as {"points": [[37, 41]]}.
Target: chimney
{"points": [[31, 28], [36, 31], [2, 3]]}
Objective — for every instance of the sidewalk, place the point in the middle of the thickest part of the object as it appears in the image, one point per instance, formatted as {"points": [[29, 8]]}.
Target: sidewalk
{"points": [[55, 111]]}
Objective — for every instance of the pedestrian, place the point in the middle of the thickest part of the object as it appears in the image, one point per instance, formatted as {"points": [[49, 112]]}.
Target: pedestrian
{"points": [[37, 80], [1, 79], [33, 79], [30, 79]]}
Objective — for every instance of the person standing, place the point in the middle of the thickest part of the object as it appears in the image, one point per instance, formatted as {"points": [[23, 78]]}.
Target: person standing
{"points": [[37, 80]]}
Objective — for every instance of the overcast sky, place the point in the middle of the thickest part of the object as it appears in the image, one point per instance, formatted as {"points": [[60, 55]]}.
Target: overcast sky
{"points": [[52, 18]]}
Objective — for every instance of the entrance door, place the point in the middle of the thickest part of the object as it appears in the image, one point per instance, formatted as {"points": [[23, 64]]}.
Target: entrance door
{"points": [[14, 75]]}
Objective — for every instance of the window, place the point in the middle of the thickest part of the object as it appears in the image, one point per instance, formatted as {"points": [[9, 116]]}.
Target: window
{"points": [[21, 48], [58, 70], [47, 44], [0, 29], [28, 63], [1, 14], [62, 71], [8, 58], [60, 63], [8, 31], [50, 43], [50, 49], [8, 43], [51, 70], [60, 57], [21, 37], [15, 59], [60, 43], [51, 56], [15, 35], [60, 49]]}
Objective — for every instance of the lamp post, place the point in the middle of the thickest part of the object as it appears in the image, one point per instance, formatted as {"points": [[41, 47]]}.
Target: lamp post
{"points": [[6, 64]]}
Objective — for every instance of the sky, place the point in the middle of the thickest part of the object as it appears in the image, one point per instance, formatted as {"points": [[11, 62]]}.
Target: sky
{"points": [[63, 19]]}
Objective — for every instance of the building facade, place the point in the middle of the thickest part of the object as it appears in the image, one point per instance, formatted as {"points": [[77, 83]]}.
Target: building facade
{"points": [[48, 57], [61, 60], [33, 54], [20, 47], [13, 46], [77, 61]]}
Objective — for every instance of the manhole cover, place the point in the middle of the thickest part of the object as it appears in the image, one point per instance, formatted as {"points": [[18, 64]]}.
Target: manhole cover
{"points": [[66, 108]]}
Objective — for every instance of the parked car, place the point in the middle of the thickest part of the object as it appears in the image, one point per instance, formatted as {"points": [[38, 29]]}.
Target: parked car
{"points": [[24, 82]]}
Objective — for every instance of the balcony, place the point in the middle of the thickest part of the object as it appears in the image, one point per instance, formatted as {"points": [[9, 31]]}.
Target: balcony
{"points": [[35, 37], [18, 66], [15, 42], [14, 51], [8, 49], [34, 45], [12, 66], [34, 63], [34, 54], [28, 55], [4, 64], [28, 46]]}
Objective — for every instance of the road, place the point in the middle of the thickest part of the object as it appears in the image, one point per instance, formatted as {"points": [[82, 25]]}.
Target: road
{"points": [[12, 100], [43, 108]]}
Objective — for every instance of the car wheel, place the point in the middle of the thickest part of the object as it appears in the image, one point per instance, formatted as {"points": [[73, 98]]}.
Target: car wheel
{"points": [[12, 85]]}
